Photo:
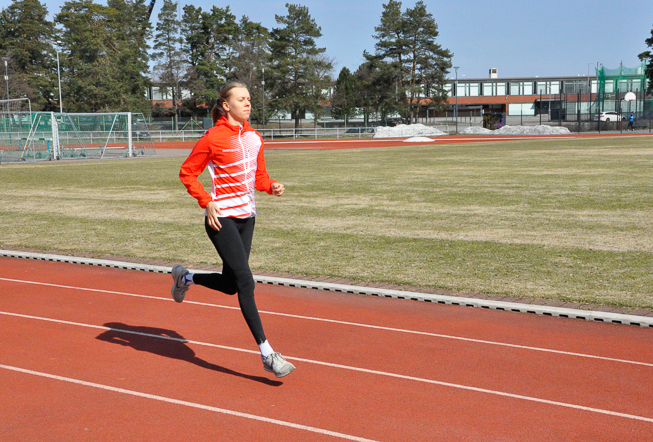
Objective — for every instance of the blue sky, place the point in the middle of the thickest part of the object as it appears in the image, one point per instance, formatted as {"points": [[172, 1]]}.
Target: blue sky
{"points": [[521, 38]]}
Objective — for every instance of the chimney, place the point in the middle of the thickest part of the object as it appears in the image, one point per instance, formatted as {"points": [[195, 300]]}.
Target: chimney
{"points": [[494, 73]]}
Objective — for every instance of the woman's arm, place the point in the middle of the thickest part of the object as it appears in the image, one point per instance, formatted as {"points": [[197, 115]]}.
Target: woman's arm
{"points": [[193, 167], [263, 181]]}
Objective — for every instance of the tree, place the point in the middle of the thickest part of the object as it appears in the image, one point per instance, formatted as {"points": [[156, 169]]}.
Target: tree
{"points": [[406, 43], [378, 86], [647, 56], [208, 39], [428, 62], [104, 61], [345, 95], [391, 50], [318, 78], [26, 43], [192, 47], [170, 67], [295, 57], [88, 79], [130, 29], [251, 54]]}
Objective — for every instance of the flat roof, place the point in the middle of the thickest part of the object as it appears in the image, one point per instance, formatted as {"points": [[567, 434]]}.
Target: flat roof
{"points": [[580, 77]]}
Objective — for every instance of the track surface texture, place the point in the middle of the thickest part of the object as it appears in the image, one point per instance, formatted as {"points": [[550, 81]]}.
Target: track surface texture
{"points": [[102, 354]]}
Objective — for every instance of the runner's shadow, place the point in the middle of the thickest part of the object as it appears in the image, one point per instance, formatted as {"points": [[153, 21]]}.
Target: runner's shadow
{"points": [[166, 343]]}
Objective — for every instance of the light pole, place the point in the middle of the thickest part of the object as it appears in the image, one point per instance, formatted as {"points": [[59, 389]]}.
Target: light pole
{"points": [[540, 107], [6, 78], [59, 78], [263, 86], [456, 108]]}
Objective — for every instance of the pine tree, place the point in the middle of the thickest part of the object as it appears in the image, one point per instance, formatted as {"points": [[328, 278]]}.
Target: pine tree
{"points": [[378, 85], [294, 58], [406, 44], [88, 70], [318, 77], [428, 62], [391, 50], [193, 49], [130, 30], [104, 60], [170, 67], [25, 43], [647, 56], [251, 54], [345, 95], [208, 40]]}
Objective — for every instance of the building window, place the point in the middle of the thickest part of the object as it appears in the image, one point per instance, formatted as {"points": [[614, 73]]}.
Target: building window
{"points": [[473, 90], [489, 89], [528, 88], [515, 88], [501, 89]]}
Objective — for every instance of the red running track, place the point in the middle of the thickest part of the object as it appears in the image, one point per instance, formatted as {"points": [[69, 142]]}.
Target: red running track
{"points": [[305, 144], [100, 354]]}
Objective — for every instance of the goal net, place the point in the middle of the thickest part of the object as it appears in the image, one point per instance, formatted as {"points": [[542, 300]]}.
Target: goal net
{"points": [[55, 136], [15, 121]]}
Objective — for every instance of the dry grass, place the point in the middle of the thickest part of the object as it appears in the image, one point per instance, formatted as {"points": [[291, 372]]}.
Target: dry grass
{"points": [[561, 219]]}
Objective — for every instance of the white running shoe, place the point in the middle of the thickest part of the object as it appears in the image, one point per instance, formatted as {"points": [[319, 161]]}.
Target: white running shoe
{"points": [[275, 363], [179, 289]]}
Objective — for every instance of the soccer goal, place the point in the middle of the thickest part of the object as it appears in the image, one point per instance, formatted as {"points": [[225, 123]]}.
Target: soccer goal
{"points": [[15, 123], [54, 136]]}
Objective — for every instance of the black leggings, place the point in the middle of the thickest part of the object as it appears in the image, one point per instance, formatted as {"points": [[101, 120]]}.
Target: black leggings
{"points": [[233, 243]]}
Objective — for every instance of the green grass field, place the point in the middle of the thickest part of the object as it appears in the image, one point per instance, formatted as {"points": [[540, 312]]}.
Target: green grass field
{"points": [[564, 219]]}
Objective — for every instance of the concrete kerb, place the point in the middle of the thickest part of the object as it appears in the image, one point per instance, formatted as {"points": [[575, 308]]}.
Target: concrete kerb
{"points": [[588, 315]]}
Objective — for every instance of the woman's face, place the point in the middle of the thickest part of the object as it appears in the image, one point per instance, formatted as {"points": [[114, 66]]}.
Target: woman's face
{"points": [[238, 104]]}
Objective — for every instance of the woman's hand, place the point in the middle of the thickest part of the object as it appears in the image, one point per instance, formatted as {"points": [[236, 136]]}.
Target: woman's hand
{"points": [[212, 213], [277, 189]]}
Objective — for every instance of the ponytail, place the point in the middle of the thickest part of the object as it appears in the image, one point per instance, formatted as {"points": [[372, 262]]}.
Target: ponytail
{"points": [[218, 111]]}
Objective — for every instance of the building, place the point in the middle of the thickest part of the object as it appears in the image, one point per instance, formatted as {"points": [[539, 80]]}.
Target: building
{"points": [[561, 97], [564, 98]]}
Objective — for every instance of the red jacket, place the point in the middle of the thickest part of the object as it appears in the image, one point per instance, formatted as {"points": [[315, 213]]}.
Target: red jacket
{"points": [[234, 156]]}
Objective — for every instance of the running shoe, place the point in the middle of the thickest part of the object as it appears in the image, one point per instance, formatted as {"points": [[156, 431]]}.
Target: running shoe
{"points": [[275, 363], [179, 289]]}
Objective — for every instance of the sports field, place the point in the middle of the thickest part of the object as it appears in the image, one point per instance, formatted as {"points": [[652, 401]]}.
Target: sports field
{"points": [[556, 218]]}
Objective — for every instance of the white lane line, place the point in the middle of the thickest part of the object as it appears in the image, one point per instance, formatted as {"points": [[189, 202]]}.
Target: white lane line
{"points": [[149, 335], [358, 369], [188, 404], [353, 324]]}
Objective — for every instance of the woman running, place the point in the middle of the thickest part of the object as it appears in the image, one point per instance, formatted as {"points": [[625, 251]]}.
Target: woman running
{"points": [[233, 152]]}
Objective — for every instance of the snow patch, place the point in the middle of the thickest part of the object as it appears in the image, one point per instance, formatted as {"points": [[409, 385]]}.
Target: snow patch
{"points": [[407, 130], [418, 140], [518, 130]]}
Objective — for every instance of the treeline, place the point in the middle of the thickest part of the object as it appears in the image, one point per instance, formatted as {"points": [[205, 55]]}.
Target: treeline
{"points": [[107, 63]]}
